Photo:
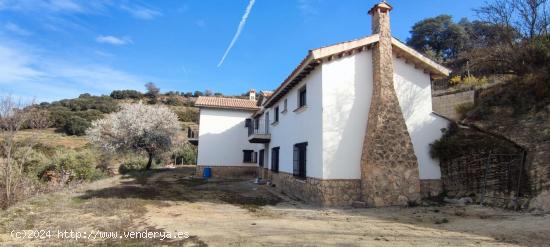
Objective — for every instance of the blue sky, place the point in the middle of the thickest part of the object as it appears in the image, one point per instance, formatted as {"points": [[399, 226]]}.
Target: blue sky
{"points": [[54, 49]]}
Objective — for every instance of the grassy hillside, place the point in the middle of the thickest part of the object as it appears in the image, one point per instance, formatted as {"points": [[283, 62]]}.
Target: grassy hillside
{"points": [[50, 137], [74, 116]]}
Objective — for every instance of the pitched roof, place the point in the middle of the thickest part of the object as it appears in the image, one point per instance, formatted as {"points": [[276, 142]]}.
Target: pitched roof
{"points": [[226, 103], [328, 53], [263, 94]]}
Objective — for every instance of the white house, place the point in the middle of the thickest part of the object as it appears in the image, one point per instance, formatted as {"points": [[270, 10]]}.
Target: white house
{"points": [[352, 122]]}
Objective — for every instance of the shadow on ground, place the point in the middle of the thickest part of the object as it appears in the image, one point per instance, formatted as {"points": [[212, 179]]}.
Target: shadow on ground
{"points": [[180, 185], [425, 226]]}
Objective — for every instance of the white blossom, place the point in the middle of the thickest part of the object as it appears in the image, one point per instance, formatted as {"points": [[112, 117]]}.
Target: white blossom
{"points": [[136, 128]]}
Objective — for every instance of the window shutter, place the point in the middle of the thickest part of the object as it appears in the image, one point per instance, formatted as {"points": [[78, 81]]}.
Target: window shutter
{"points": [[296, 161], [277, 158], [304, 160]]}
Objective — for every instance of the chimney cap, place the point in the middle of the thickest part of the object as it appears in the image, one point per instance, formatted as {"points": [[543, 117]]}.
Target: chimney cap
{"points": [[384, 6]]}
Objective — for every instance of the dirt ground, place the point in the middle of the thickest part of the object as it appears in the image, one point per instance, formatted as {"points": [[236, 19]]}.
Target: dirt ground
{"points": [[240, 213]]}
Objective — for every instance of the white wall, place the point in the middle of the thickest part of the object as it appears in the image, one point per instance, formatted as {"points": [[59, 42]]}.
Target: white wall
{"points": [[413, 90], [347, 92], [298, 127], [223, 137]]}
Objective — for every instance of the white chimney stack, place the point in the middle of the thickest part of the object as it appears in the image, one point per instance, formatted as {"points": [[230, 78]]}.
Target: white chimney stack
{"points": [[252, 94]]}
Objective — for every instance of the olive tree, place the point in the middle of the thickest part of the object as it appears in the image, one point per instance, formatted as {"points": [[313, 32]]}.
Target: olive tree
{"points": [[136, 128]]}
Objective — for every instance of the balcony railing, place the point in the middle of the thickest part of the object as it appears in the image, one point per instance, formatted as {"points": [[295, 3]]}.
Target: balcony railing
{"points": [[258, 131]]}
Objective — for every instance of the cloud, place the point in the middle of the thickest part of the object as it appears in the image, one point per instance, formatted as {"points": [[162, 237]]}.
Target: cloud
{"points": [[141, 12], [66, 6], [113, 40], [14, 28], [29, 72], [239, 30]]}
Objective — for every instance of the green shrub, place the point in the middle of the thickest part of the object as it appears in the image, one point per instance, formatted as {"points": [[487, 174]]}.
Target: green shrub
{"points": [[134, 164], [126, 94], [90, 114], [81, 165], [456, 142], [36, 162], [76, 125], [464, 108], [468, 81], [186, 155], [188, 115], [173, 101]]}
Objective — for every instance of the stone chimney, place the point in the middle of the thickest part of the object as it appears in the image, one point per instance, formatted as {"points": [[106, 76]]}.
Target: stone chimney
{"points": [[381, 18], [389, 168], [252, 94]]}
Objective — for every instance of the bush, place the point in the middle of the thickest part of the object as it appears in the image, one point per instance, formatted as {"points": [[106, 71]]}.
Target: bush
{"points": [[76, 126], [457, 142], [186, 155], [173, 101], [36, 162], [188, 115], [464, 108], [126, 94], [64, 113], [81, 165], [131, 165], [468, 81], [90, 114]]}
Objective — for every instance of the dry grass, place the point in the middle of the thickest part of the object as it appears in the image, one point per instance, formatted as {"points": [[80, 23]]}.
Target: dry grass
{"points": [[51, 138], [240, 213]]}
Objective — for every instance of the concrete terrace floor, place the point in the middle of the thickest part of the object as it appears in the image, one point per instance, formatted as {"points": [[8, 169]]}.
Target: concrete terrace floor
{"points": [[240, 213]]}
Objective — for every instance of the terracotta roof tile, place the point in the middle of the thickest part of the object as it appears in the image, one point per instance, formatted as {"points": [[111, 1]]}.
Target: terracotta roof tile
{"points": [[226, 103]]}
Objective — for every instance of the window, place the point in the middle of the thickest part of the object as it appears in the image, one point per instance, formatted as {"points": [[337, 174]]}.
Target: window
{"points": [[248, 156], [257, 123], [275, 159], [276, 113], [302, 100], [285, 105], [248, 123], [261, 158], [300, 154]]}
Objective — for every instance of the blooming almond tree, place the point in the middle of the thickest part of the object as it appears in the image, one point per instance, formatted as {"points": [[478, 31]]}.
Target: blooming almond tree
{"points": [[136, 128]]}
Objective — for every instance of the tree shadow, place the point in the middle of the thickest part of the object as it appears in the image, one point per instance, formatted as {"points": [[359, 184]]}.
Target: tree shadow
{"points": [[180, 185]]}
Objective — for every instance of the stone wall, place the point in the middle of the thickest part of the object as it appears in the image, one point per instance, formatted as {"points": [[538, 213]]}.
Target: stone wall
{"points": [[445, 102], [430, 188], [229, 171], [330, 192]]}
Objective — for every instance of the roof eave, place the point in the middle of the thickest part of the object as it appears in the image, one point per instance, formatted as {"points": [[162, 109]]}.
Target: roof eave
{"points": [[227, 108], [436, 70], [317, 56]]}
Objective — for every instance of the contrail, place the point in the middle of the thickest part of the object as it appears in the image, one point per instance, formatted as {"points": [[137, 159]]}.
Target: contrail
{"points": [[239, 29]]}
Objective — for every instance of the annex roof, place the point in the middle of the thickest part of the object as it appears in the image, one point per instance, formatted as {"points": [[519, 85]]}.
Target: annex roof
{"points": [[226, 103]]}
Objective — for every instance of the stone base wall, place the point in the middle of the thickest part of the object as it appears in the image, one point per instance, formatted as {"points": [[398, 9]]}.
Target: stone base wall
{"points": [[330, 192], [229, 171], [430, 188]]}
